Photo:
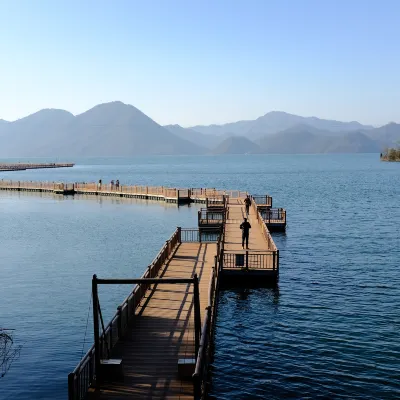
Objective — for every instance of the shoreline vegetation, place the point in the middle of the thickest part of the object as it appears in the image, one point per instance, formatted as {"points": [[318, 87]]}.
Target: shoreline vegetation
{"points": [[391, 154]]}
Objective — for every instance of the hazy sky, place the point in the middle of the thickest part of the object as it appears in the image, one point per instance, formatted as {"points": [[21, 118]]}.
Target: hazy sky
{"points": [[201, 62]]}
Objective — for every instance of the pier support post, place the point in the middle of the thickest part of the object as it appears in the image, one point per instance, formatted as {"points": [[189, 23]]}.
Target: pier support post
{"points": [[71, 386], [197, 318], [96, 328]]}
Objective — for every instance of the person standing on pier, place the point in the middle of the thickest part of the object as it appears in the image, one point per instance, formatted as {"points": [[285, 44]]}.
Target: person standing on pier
{"points": [[245, 227], [247, 203]]}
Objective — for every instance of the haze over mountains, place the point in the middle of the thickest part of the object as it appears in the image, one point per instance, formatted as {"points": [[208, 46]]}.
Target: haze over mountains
{"points": [[118, 129]]}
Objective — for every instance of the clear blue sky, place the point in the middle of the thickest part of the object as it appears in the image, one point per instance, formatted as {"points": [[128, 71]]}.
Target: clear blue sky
{"points": [[201, 62]]}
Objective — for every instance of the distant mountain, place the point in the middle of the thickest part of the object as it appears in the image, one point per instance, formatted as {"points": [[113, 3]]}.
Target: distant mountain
{"points": [[199, 139], [237, 145], [231, 129], [277, 121], [118, 129], [111, 129], [308, 140], [387, 135], [353, 142]]}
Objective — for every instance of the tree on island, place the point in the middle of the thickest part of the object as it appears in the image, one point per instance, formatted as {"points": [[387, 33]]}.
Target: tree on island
{"points": [[9, 352], [391, 154]]}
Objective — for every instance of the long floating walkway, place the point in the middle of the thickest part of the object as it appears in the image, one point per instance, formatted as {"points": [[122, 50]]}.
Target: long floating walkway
{"points": [[175, 195], [25, 166], [158, 344]]}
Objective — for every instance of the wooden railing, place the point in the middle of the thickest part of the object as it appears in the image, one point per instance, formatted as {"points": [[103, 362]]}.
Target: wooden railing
{"points": [[43, 186], [200, 376], [215, 193], [196, 235], [216, 217], [263, 226], [262, 200], [80, 380], [205, 192], [251, 260], [274, 215], [216, 202]]}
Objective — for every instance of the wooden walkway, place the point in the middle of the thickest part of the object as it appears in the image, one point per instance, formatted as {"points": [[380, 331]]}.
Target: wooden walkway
{"points": [[25, 166], [261, 246], [155, 326], [163, 331], [233, 234]]}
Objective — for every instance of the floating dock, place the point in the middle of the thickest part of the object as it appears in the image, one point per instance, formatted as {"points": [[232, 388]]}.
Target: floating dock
{"points": [[161, 193], [25, 166], [159, 343]]}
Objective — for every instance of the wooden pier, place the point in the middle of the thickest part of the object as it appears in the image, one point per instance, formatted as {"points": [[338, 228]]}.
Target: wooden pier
{"points": [[161, 193], [25, 166], [158, 344]]}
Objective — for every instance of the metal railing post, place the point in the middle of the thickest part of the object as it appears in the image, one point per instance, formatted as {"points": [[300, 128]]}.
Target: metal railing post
{"points": [[197, 318], [96, 327], [277, 261], [71, 386]]}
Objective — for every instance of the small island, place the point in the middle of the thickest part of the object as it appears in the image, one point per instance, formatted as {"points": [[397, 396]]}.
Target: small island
{"points": [[391, 154]]}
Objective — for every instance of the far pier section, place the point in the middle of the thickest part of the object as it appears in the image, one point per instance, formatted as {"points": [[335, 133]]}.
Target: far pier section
{"points": [[24, 166]]}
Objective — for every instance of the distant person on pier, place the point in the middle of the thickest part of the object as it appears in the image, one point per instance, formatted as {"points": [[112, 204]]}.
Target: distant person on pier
{"points": [[245, 227], [112, 184], [99, 186], [247, 203], [117, 184]]}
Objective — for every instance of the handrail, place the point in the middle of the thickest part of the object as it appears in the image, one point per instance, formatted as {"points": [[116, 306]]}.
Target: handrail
{"points": [[81, 378], [274, 214], [262, 200], [261, 222], [211, 235], [203, 356]]}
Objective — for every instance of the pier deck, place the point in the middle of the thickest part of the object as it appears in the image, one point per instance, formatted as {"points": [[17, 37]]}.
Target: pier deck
{"points": [[260, 258], [163, 331]]}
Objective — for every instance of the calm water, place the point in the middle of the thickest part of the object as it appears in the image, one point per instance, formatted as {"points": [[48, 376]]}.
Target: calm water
{"points": [[331, 329]]}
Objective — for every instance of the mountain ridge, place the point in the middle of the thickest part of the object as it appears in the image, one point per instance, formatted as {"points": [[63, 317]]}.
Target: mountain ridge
{"points": [[118, 129], [109, 129]]}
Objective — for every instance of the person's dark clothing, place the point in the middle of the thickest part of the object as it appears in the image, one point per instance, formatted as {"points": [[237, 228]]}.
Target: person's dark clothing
{"points": [[247, 203], [245, 227]]}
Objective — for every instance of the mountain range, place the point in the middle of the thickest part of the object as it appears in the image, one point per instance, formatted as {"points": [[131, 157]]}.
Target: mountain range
{"points": [[118, 129]]}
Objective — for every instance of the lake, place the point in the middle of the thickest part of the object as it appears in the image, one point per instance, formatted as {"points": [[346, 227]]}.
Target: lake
{"points": [[329, 330]]}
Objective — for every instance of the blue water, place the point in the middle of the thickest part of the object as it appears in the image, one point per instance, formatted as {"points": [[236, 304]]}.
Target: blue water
{"points": [[330, 330]]}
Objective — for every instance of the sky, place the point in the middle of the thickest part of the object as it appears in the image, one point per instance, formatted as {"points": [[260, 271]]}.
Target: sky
{"points": [[203, 62]]}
